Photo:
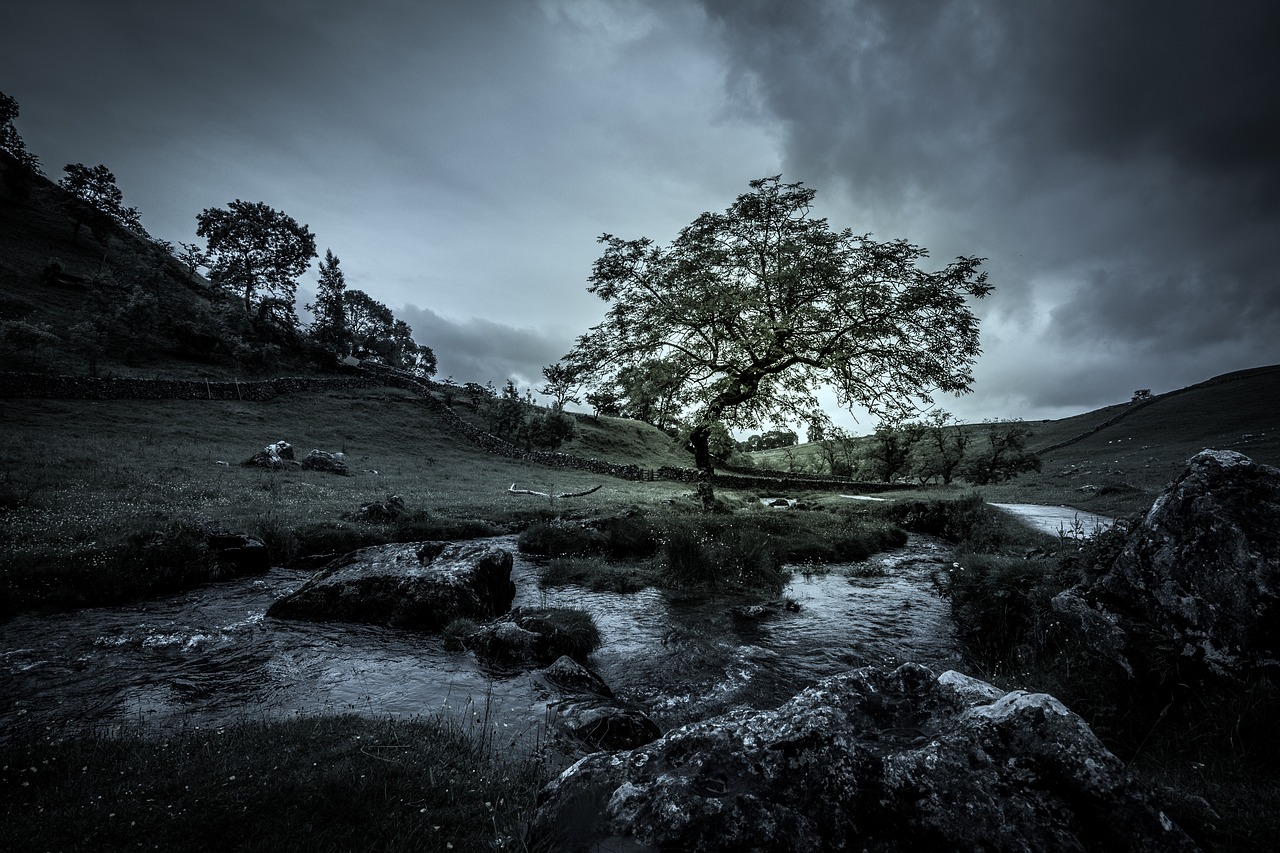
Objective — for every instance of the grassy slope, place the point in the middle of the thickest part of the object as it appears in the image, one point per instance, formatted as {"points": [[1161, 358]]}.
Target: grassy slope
{"points": [[1139, 454], [92, 467]]}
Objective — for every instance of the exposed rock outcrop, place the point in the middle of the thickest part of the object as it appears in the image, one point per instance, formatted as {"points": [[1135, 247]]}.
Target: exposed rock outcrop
{"points": [[238, 554], [535, 636], [1200, 573], [322, 460], [273, 456], [422, 585], [587, 712], [381, 512], [871, 760]]}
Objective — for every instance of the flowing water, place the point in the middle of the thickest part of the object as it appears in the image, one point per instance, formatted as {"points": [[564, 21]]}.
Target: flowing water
{"points": [[210, 657]]}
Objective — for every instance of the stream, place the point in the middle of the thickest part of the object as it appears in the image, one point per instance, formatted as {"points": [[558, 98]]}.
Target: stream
{"points": [[209, 657]]}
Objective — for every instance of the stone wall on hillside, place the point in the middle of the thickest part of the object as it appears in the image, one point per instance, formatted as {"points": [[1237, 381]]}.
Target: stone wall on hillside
{"points": [[42, 386]]}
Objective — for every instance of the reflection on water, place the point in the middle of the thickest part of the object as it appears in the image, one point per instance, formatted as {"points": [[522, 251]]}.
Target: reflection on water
{"points": [[209, 656]]}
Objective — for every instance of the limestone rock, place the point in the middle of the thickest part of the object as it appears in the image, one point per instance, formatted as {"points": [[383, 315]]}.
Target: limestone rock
{"points": [[534, 637], [587, 712], [1202, 570], [273, 456], [238, 554], [875, 760], [422, 586], [322, 460], [381, 512]]}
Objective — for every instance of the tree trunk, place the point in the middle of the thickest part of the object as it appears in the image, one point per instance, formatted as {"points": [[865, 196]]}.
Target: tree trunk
{"points": [[699, 441]]}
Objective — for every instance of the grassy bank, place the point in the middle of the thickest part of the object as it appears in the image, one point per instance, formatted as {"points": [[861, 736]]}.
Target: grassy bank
{"points": [[1205, 746], [743, 551], [312, 783], [100, 500]]}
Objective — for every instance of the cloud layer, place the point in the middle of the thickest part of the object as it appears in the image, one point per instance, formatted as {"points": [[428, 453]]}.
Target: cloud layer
{"points": [[1118, 164]]}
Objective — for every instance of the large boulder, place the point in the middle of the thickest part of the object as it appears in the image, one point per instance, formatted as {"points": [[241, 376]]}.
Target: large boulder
{"points": [[419, 585], [877, 760], [273, 456], [1200, 574], [323, 460]]}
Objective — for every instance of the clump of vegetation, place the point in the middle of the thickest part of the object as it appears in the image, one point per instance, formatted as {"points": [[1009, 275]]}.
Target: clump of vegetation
{"points": [[714, 551], [340, 782], [968, 521], [597, 574], [568, 631], [559, 539]]}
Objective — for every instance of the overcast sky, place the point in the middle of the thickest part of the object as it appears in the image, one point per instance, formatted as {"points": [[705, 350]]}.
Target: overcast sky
{"points": [[1117, 163]]}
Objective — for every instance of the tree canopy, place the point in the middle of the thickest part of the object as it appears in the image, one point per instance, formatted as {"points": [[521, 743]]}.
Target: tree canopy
{"points": [[758, 307], [96, 186], [254, 248], [10, 139]]}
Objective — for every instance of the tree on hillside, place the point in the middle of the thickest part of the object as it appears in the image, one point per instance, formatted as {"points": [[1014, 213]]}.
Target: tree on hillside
{"points": [[329, 328], [757, 307], [562, 383], [192, 256], [941, 448], [651, 392], [604, 401], [96, 187], [374, 332], [254, 250], [1001, 455], [887, 451], [10, 139]]}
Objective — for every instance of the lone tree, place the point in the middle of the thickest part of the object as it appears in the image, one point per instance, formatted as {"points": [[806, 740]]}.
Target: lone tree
{"points": [[761, 305], [254, 248]]}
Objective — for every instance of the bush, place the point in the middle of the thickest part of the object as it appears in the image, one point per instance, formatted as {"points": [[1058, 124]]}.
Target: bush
{"points": [[567, 630], [969, 522], [596, 574], [560, 539], [715, 552]]}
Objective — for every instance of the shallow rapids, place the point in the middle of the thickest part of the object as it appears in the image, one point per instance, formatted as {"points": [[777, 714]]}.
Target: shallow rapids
{"points": [[209, 657]]}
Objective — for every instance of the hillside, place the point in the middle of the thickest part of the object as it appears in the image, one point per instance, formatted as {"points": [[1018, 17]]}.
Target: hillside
{"points": [[1117, 458], [118, 302]]}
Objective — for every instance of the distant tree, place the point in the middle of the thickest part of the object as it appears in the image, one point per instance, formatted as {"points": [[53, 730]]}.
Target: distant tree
{"points": [[253, 249], [1001, 455], [817, 431], [96, 186], [941, 449], [19, 336], [1140, 395], [507, 412], [754, 309], [192, 256], [10, 139], [546, 429], [604, 401], [887, 451], [562, 383], [374, 332], [650, 392], [329, 328], [838, 453]]}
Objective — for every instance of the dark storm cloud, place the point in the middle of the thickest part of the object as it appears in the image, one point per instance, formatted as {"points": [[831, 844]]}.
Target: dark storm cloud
{"points": [[1118, 163]]}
